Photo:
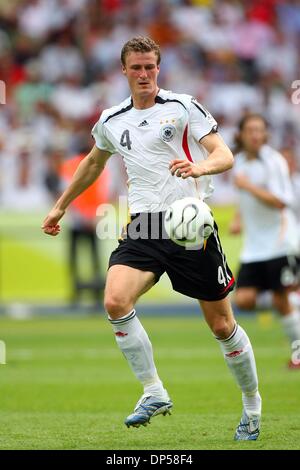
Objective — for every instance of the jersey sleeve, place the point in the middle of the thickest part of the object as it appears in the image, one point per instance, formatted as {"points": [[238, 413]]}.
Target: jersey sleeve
{"points": [[201, 121], [102, 143], [279, 182]]}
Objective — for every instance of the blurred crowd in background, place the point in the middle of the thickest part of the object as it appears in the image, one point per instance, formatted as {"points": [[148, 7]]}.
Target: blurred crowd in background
{"points": [[60, 62]]}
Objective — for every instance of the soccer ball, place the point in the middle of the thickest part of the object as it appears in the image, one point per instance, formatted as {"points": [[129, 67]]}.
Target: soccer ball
{"points": [[189, 222]]}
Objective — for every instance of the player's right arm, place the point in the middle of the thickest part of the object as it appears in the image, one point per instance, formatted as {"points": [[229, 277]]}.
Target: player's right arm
{"points": [[87, 172]]}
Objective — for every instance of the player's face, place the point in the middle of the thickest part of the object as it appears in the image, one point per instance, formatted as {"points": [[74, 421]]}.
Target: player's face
{"points": [[141, 70], [254, 135]]}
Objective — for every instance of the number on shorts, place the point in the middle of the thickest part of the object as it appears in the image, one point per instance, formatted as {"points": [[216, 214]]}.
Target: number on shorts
{"points": [[221, 276]]}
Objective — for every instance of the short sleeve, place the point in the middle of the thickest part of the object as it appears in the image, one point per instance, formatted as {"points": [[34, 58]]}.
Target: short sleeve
{"points": [[279, 182], [101, 140], [201, 121]]}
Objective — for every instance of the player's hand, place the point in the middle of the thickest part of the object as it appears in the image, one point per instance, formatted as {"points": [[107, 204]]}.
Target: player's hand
{"points": [[242, 182], [185, 168], [235, 228], [50, 225]]}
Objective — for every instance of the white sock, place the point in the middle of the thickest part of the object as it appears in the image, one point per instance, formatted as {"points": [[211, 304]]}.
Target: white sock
{"points": [[134, 343], [239, 356], [291, 325], [294, 298], [264, 300]]}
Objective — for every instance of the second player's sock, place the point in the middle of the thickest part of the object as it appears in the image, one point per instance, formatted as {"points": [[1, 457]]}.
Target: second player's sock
{"points": [[291, 325], [264, 300], [240, 359], [134, 343]]}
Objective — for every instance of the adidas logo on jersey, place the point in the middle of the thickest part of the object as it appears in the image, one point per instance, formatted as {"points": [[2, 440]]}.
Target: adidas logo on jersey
{"points": [[144, 123]]}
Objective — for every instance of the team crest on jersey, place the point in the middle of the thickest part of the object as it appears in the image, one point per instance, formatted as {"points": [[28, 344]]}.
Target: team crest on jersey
{"points": [[167, 132]]}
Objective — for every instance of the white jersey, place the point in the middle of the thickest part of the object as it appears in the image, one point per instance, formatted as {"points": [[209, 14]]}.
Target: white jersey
{"points": [[148, 139], [268, 232]]}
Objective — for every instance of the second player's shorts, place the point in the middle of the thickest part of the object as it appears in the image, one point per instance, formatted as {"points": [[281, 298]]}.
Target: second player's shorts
{"points": [[202, 274], [275, 274]]}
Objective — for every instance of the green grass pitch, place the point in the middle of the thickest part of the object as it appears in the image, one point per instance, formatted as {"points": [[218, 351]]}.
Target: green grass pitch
{"points": [[66, 386]]}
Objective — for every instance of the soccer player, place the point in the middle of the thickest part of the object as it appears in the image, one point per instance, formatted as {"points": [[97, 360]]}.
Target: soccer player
{"points": [[268, 259], [291, 159], [170, 146]]}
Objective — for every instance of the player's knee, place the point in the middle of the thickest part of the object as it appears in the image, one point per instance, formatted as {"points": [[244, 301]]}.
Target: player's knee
{"points": [[222, 327], [282, 304], [117, 306]]}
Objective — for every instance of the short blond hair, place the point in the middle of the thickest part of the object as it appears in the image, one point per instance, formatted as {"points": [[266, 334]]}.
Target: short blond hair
{"points": [[140, 44]]}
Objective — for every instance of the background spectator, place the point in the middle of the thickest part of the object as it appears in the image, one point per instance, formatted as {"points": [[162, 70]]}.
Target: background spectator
{"points": [[60, 63]]}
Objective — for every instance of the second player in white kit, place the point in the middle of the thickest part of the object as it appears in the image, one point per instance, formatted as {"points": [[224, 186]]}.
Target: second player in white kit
{"points": [[271, 239]]}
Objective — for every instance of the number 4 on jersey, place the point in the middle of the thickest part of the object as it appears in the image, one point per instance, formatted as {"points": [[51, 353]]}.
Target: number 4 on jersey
{"points": [[125, 140]]}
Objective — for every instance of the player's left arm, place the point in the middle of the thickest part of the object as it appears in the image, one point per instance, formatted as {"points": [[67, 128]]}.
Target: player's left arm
{"points": [[242, 182], [219, 159], [277, 191]]}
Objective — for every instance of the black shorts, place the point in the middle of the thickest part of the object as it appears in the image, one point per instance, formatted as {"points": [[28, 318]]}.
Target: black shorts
{"points": [[275, 274], [201, 274]]}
